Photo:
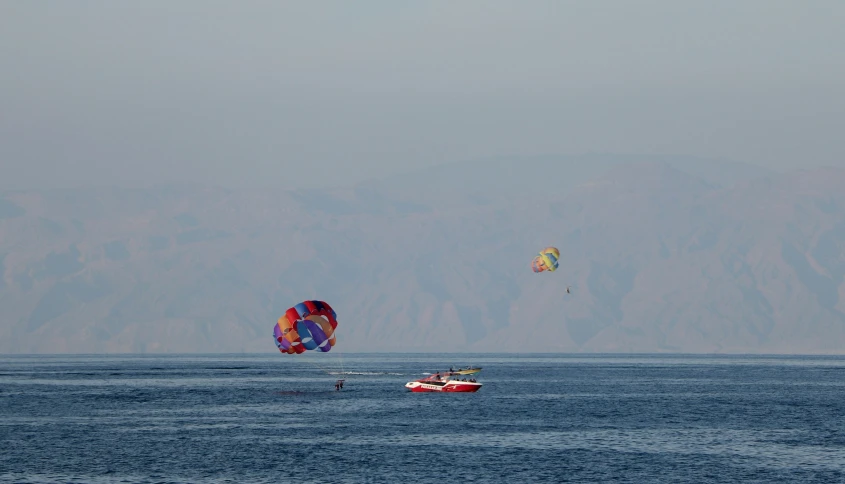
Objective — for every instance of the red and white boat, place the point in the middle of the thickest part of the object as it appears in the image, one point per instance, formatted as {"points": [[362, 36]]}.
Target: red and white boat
{"points": [[437, 383]]}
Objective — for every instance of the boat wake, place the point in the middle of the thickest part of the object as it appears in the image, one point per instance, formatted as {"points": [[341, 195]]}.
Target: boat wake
{"points": [[363, 373]]}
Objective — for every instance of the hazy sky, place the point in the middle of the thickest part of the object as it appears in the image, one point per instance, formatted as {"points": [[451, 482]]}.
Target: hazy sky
{"points": [[312, 93]]}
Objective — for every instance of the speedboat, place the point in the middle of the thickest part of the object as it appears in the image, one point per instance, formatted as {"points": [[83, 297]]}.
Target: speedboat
{"points": [[445, 383]]}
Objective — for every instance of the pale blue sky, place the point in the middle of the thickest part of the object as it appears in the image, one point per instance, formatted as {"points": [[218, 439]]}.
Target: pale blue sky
{"points": [[313, 93]]}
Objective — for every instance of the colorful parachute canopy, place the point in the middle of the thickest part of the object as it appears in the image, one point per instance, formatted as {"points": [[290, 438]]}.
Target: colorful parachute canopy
{"points": [[538, 265], [546, 261], [309, 325]]}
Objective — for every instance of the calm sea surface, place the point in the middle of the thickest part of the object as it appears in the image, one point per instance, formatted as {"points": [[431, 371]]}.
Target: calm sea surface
{"points": [[548, 418]]}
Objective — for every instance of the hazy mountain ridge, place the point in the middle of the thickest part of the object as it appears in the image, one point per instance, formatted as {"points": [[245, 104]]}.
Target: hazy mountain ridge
{"points": [[660, 259]]}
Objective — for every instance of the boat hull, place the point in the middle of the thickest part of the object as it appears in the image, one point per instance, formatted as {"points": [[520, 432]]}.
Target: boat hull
{"points": [[450, 387]]}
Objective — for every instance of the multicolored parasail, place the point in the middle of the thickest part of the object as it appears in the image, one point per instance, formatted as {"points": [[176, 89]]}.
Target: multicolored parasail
{"points": [[309, 325], [546, 261]]}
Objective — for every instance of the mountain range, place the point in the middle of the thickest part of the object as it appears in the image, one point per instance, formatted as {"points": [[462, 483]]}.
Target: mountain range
{"points": [[662, 254]]}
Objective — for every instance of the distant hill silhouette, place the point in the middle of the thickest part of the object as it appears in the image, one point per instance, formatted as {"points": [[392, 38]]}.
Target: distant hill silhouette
{"points": [[663, 254]]}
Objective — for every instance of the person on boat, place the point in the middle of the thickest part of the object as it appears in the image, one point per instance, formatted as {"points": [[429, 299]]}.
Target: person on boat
{"points": [[341, 384]]}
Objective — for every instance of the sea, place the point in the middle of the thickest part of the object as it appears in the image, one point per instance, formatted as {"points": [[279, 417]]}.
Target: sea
{"points": [[537, 418]]}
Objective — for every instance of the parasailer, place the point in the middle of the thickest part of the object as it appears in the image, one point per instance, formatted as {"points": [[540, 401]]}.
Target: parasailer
{"points": [[309, 325]]}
